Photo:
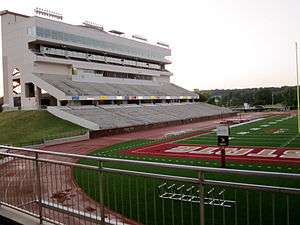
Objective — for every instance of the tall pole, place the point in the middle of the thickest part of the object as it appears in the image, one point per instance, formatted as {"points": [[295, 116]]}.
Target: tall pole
{"points": [[298, 98]]}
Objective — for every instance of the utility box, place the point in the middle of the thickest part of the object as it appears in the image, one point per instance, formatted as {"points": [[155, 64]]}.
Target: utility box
{"points": [[223, 132]]}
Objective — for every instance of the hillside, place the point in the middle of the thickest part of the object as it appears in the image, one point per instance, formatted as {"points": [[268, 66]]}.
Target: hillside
{"points": [[23, 128], [286, 96]]}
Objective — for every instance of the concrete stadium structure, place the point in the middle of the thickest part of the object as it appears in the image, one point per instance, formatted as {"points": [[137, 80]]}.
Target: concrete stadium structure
{"points": [[49, 63]]}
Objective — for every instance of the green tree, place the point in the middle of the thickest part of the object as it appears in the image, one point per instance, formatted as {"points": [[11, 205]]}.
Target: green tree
{"points": [[203, 95], [263, 96], [290, 96]]}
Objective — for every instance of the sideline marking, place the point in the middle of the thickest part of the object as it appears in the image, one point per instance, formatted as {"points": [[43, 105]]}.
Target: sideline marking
{"points": [[290, 141]]}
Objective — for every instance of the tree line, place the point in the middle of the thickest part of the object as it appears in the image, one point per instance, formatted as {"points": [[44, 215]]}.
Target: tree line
{"points": [[286, 96]]}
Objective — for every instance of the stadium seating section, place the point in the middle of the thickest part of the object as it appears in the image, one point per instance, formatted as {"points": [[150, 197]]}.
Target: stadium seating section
{"points": [[128, 115], [72, 88]]}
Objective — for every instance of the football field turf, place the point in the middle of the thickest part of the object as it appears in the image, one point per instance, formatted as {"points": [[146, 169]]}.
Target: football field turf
{"points": [[138, 197], [275, 131], [275, 141]]}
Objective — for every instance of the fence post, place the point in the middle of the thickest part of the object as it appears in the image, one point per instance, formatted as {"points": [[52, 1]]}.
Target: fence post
{"points": [[101, 180], [39, 187], [201, 197]]}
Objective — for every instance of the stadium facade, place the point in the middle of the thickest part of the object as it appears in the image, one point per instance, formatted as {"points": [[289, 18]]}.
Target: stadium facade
{"points": [[77, 71], [73, 63]]}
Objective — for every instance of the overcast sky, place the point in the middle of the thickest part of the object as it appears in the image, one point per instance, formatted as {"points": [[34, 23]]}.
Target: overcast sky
{"points": [[215, 43]]}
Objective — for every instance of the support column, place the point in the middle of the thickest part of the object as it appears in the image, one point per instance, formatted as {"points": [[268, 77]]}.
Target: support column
{"points": [[38, 96]]}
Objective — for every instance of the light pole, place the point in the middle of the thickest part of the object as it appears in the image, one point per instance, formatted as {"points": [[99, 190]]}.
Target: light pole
{"points": [[298, 98]]}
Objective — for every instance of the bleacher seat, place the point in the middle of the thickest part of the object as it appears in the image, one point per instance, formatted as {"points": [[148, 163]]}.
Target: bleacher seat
{"points": [[128, 115]]}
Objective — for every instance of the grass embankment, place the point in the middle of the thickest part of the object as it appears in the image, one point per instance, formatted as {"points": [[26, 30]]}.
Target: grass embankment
{"points": [[21, 128]]}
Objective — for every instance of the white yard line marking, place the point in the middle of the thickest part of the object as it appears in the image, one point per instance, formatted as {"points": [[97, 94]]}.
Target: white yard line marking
{"points": [[265, 125], [255, 128], [243, 133]]}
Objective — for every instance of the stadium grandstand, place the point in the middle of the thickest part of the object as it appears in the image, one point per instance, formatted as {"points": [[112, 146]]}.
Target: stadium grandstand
{"points": [[234, 171], [95, 78]]}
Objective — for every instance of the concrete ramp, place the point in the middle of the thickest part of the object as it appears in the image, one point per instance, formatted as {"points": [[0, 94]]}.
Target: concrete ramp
{"points": [[62, 112]]}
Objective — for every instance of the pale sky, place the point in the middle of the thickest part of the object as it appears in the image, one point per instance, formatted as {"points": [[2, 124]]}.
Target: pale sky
{"points": [[215, 43]]}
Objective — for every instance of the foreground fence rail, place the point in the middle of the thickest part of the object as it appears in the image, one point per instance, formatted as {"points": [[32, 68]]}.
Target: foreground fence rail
{"points": [[74, 189]]}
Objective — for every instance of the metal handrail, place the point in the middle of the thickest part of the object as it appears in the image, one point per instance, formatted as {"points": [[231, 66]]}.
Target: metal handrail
{"points": [[156, 164], [200, 180], [170, 177]]}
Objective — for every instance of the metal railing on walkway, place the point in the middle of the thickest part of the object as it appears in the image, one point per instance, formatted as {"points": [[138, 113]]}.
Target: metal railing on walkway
{"points": [[66, 188]]}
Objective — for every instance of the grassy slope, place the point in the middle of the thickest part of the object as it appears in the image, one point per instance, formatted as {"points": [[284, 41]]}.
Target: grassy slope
{"points": [[128, 195], [30, 127]]}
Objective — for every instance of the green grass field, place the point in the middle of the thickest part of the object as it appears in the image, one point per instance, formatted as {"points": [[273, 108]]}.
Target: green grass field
{"points": [[286, 136], [137, 197], [21, 128]]}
